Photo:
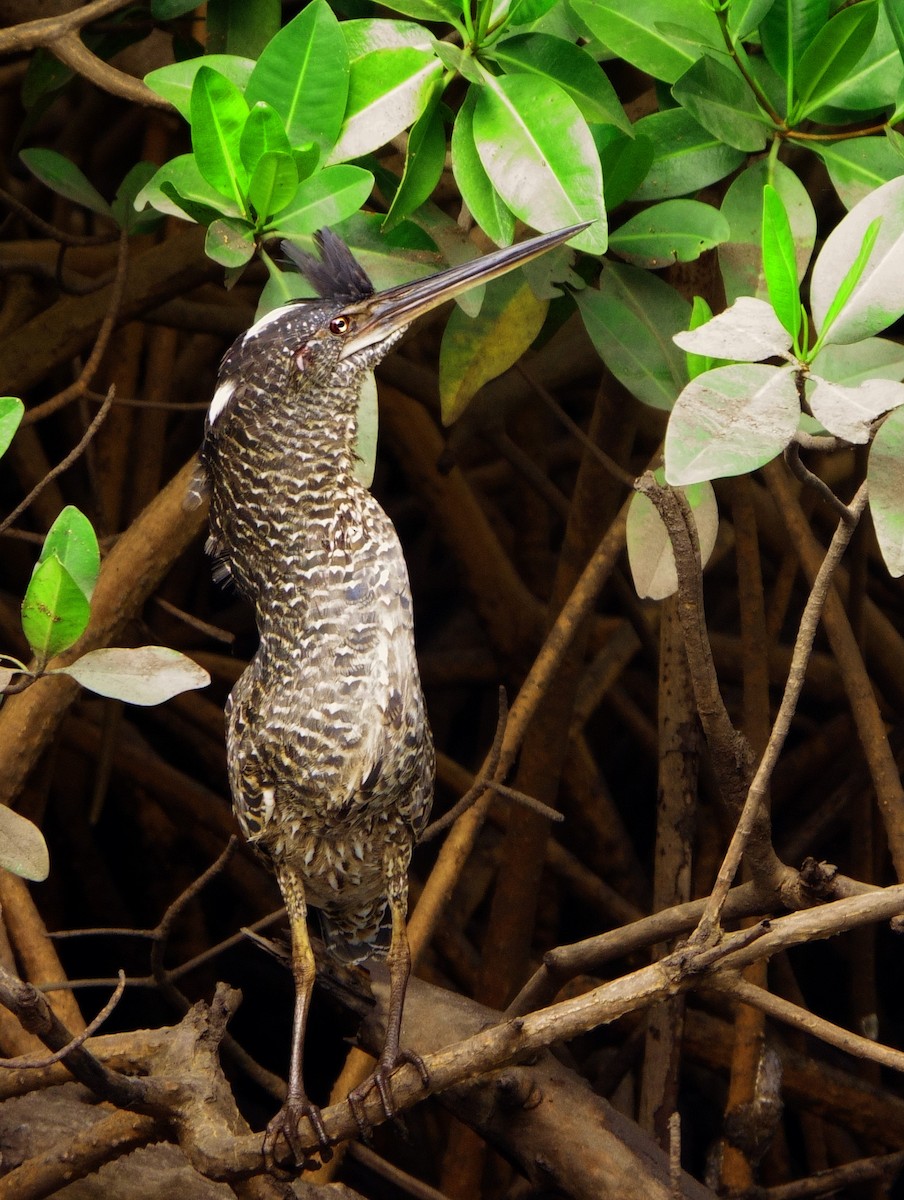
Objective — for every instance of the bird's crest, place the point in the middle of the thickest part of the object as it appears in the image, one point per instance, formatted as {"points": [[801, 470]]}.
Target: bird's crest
{"points": [[337, 274]]}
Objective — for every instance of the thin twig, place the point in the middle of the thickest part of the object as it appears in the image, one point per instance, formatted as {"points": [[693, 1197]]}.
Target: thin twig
{"points": [[806, 476], [530, 802], [53, 231], [77, 389], [803, 645], [66, 463], [39, 1064]]}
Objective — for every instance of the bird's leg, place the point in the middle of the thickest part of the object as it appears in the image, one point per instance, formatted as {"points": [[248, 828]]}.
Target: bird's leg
{"points": [[297, 1105], [392, 1056]]}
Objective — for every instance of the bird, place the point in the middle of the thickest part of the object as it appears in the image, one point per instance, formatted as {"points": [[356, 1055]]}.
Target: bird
{"points": [[329, 750]]}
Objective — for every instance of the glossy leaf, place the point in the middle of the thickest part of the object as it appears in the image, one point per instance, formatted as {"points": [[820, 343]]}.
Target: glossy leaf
{"points": [[625, 161], [367, 34], [64, 177], [368, 419], [388, 91], [273, 183], [780, 261], [446, 11], [474, 351], [873, 82], [885, 477], [218, 116], [746, 332], [263, 133], [55, 611], [631, 320], [632, 31], [11, 412], [304, 74], [230, 242], [650, 554], [179, 189], [686, 157], [858, 166], [174, 81], [788, 28], [144, 675], [71, 538], [485, 204], [22, 847], [877, 299], [539, 155], [327, 198], [522, 12], [698, 363], [674, 231], [240, 27], [744, 16], [716, 94], [741, 257], [425, 158], [832, 53], [729, 421], [849, 412], [568, 66]]}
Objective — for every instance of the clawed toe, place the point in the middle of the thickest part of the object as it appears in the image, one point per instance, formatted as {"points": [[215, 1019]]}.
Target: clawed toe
{"points": [[285, 1125], [381, 1080]]}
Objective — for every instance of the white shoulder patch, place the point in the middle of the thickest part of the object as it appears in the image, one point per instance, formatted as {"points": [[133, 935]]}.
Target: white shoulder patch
{"points": [[221, 398], [267, 319]]}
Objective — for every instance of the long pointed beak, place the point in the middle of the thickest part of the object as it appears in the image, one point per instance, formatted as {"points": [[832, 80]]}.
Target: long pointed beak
{"points": [[381, 315]]}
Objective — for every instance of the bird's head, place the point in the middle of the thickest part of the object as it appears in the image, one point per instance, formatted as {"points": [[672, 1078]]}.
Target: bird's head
{"points": [[310, 346]]}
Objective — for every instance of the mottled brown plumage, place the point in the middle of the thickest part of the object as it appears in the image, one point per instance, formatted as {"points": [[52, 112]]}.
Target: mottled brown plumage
{"points": [[331, 760]]}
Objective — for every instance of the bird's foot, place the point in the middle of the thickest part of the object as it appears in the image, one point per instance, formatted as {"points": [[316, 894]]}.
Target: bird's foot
{"points": [[285, 1125], [381, 1080]]}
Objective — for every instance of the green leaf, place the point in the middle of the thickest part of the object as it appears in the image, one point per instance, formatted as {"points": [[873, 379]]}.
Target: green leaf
{"points": [[11, 412], [895, 18], [744, 16], [263, 133], [780, 261], [304, 73], [484, 202], [675, 231], [716, 94], [650, 554], [729, 421], [872, 83], [375, 33], [446, 11], [885, 477], [625, 161], [22, 847], [178, 188], [64, 178], [686, 157], [631, 320], [475, 351], [230, 242], [698, 363], [218, 116], [327, 198], [523, 12], [747, 332], [873, 358], [367, 421], [71, 538], [272, 184], [55, 611], [857, 166], [787, 30], [741, 257], [123, 207], [877, 296], [632, 31], [571, 68], [146, 675], [166, 10], [175, 81], [540, 157], [240, 27], [830, 56], [388, 91], [425, 158]]}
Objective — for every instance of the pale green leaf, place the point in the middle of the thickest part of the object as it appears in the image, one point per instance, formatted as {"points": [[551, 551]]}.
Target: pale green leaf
{"points": [[885, 477], [485, 204], [849, 412], [686, 157], [633, 31], [64, 178], [674, 231], [388, 91], [72, 539], [174, 81], [368, 418], [746, 332]]}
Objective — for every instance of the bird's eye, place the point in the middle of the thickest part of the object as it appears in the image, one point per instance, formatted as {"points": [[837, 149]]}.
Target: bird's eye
{"points": [[339, 325]]}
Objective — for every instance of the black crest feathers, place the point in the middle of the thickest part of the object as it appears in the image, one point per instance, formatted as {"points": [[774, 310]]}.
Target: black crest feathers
{"points": [[336, 275]]}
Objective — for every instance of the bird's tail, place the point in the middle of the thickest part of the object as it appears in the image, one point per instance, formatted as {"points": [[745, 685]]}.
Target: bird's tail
{"points": [[352, 941]]}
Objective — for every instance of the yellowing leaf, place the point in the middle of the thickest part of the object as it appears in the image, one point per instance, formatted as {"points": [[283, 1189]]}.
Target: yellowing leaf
{"points": [[475, 351]]}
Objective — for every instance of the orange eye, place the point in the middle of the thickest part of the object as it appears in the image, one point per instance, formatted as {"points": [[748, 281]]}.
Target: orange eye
{"points": [[339, 325]]}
